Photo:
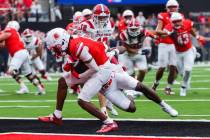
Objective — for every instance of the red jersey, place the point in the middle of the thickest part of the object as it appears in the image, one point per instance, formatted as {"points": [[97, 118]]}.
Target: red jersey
{"points": [[96, 49], [165, 18], [122, 26], [182, 40], [14, 43], [70, 28]]}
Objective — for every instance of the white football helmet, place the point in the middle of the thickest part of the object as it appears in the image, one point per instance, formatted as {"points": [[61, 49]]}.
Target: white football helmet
{"points": [[134, 27], [127, 16], [101, 14], [27, 35], [77, 14], [86, 12], [13, 24], [176, 18], [172, 6], [57, 41]]}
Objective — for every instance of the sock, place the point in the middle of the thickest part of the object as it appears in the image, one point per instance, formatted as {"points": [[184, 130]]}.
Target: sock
{"points": [[58, 113], [108, 121], [186, 78]]}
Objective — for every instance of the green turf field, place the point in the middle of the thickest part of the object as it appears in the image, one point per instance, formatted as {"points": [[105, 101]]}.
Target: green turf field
{"points": [[196, 105]]}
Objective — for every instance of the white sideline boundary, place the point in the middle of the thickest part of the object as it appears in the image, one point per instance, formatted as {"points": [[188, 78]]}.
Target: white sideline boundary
{"points": [[109, 136], [22, 106], [139, 100], [117, 119]]}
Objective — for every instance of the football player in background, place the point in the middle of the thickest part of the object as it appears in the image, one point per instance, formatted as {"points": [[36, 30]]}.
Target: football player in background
{"points": [[19, 58], [180, 31], [127, 16], [34, 46], [166, 49], [100, 28]]}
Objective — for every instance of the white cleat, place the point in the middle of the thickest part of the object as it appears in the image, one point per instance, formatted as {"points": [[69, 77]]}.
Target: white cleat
{"points": [[133, 94], [41, 91], [168, 109], [23, 90], [114, 112], [183, 91], [110, 107]]}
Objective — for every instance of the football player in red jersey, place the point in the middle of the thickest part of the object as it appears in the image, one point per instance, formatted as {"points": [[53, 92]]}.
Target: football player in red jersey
{"points": [[98, 74], [74, 27], [20, 57], [100, 28], [180, 31], [166, 48], [127, 16]]}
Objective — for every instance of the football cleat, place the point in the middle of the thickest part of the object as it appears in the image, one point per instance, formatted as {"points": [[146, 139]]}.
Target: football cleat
{"points": [[45, 77], [168, 109], [23, 90], [168, 91], [183, 91], [108, 128], [51, 119], [41, 90]]}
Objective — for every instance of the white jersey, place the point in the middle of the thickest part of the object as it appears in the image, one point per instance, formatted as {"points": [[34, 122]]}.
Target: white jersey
{"points": [[91, 30], [31, 47]]}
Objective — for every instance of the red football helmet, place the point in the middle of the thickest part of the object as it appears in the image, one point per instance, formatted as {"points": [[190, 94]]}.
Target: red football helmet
{"points": [[27, 35], [134, 27], [101, 14]]}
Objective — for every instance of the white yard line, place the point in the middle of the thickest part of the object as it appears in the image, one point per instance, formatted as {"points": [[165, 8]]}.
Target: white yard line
{"points": [[117, 119], [195, 115], [21, 106], [46, 101]]}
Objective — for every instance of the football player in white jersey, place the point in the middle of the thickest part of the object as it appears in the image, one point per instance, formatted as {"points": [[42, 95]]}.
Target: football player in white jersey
{"points": [[34, 46], [99, 27]]}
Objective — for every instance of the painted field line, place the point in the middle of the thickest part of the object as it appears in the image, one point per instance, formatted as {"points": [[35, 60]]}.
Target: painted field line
{"points": [[117, 119], [5, 94], [139, 100], [1, 90], [21, 106], [55, 136], [194, 115]]}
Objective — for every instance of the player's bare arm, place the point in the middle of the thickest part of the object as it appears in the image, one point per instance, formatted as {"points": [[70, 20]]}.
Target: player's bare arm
{"points": [[4, 36]]}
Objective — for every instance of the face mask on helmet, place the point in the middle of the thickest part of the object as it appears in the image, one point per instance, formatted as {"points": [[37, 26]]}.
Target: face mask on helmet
{"points": [[134, 31], [57, 51], [177, 24], [172, 9], [28, 38], [127, 19]]}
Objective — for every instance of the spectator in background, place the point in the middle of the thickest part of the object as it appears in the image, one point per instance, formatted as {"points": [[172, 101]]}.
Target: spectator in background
{"points": [[141, 18], [201, 19], [207, 44], [36, 9], [4, 11], [151, 20]]}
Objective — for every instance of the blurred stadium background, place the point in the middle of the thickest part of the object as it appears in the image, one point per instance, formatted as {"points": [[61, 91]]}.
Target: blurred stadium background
{"points": [[46, 14]]}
